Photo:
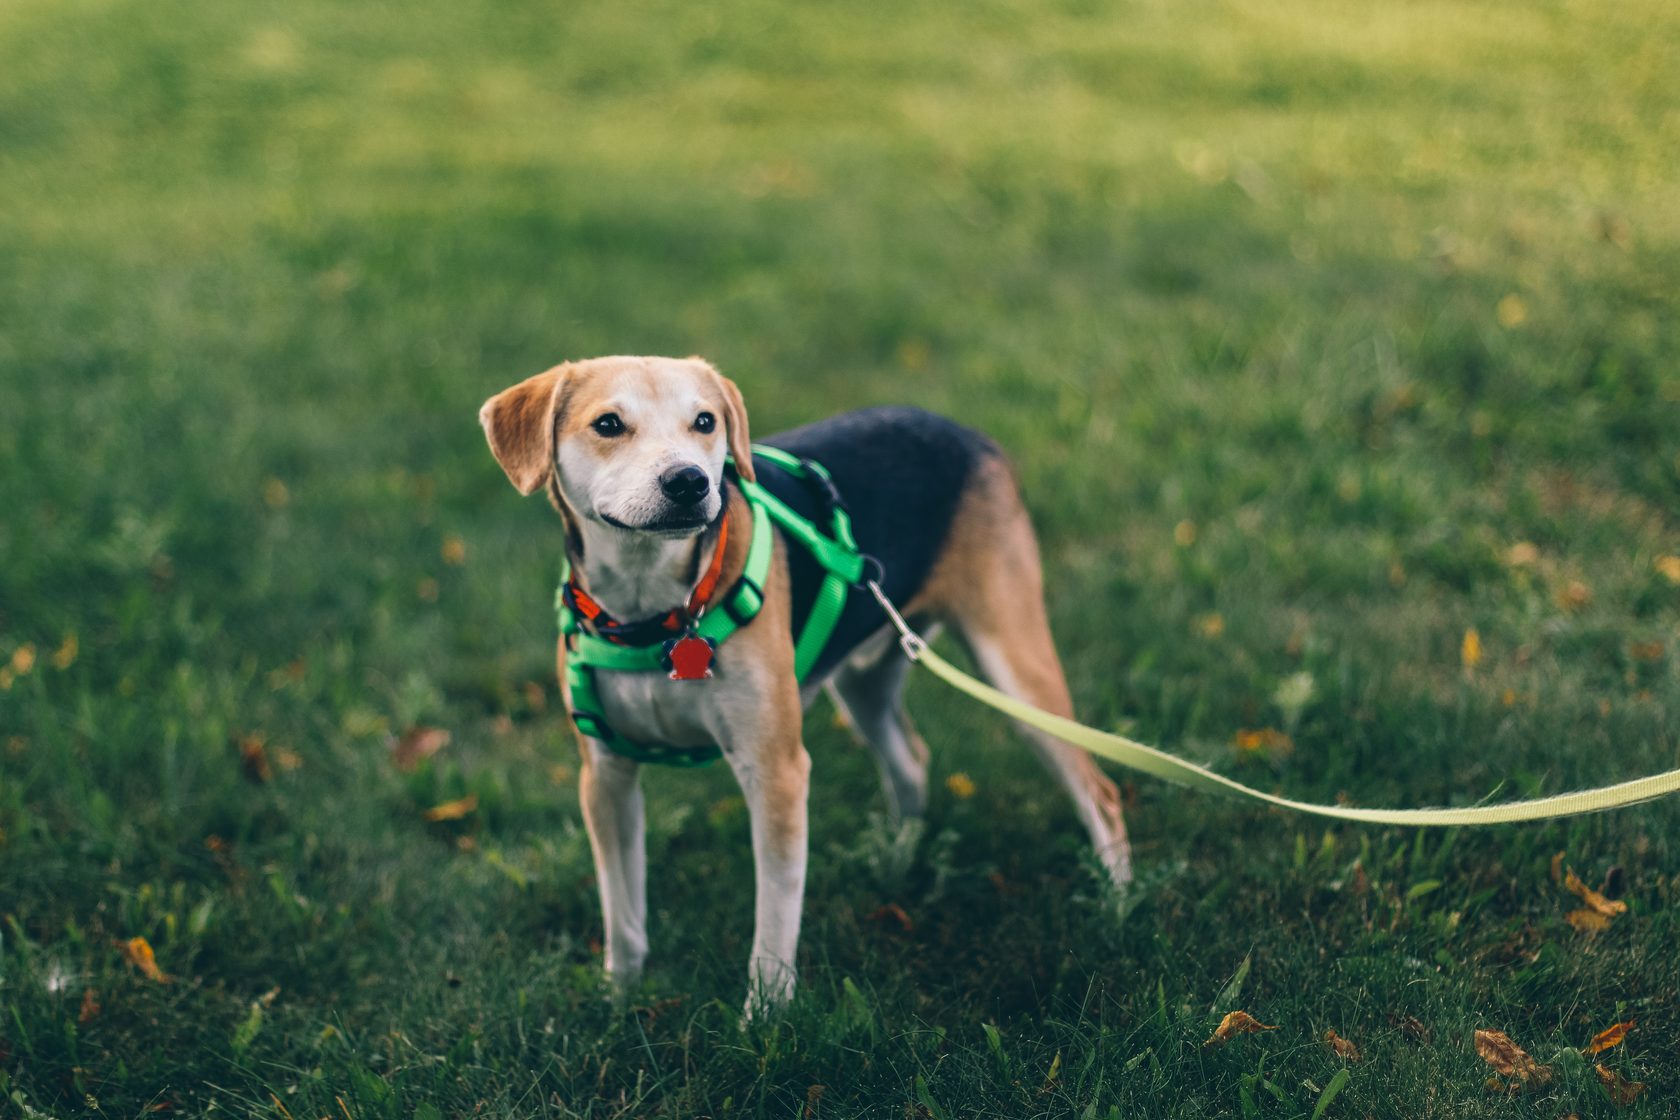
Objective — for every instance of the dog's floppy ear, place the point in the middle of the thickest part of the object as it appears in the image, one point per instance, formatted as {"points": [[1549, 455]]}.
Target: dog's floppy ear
{"points": [[735, 423], [519, 423]]}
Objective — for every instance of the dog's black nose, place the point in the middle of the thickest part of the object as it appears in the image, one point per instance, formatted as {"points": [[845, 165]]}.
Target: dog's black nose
{"points": [[685, 486]]}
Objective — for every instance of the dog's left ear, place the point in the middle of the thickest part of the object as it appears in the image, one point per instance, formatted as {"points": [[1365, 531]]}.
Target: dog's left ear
{"points": [[735, 423], [519, 423]]}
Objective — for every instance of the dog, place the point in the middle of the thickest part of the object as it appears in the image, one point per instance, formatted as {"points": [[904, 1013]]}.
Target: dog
{"points": [[632, 453]]}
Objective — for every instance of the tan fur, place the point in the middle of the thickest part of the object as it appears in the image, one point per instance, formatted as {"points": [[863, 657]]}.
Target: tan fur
{"points": [[519, 423], [989, 583]]}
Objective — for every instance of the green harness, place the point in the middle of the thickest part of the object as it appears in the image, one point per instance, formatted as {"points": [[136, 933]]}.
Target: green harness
{"points": [[836, 552]]}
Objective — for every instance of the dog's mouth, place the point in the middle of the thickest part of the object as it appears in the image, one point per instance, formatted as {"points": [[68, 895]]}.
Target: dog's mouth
{"points": [[682, 525]]}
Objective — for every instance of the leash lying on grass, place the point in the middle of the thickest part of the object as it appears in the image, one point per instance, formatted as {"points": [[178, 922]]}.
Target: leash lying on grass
{"points": [[1129, 752]]}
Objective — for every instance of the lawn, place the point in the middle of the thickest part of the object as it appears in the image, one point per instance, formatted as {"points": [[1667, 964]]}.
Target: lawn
{"points": [[1337, 347]]}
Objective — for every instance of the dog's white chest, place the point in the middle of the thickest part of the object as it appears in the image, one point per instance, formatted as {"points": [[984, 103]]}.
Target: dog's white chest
{"points": [[649, 707]]}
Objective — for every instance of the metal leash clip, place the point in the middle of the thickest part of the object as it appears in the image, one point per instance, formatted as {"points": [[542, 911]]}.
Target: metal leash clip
{"points": [[911, 642]]}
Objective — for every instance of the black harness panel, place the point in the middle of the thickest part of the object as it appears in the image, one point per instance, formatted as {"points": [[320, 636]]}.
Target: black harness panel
{"points": [[901, 472]]}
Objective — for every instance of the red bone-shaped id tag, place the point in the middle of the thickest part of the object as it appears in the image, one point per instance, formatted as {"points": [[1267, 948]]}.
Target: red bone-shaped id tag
{"points": [[689, 658]]}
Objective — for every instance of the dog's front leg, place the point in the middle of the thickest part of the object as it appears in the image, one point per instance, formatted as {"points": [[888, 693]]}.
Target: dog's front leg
{"points": [[775, 777], [610, 791]]}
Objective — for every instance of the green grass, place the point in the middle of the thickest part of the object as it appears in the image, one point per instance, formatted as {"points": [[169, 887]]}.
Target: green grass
{"points": [[1233, 265]]}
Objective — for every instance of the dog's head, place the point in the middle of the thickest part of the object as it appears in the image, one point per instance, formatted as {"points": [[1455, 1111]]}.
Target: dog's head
{"points": [[634, 443]]}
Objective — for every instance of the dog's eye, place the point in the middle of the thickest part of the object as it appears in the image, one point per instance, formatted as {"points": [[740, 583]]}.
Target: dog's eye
{"points": [[705, 422], [608, 424]]}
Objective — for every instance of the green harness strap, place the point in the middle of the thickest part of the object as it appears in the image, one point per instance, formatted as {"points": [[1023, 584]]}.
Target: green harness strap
{"points": [[837, 554]]}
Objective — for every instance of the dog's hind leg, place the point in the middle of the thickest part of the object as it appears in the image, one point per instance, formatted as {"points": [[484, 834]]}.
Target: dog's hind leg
{"points": [[869, 693], [991, 586]]}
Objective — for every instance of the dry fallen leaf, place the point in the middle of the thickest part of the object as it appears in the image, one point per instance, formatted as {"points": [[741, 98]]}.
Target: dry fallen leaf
{"points": [[1497, 1050], [1574, 595], [90, 1006], [137, 951], [961, 786], [1622, 1091], [1235, 1023], [1605, 1039], [1265, 739], [892, 912], [253, 756], [1470, 650], [1606, 906], [453, 810], [415, 745], [1412, 1028], [1557, 869], [1669, 566], [1585, 920], [65, 655], [1342, 1047]]}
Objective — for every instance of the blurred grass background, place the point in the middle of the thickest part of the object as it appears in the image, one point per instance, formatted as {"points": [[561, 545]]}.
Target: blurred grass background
{"points": [[1321, 335]]}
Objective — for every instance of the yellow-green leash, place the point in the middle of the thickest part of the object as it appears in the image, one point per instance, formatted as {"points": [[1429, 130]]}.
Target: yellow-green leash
{"points": [[1129, 752]]}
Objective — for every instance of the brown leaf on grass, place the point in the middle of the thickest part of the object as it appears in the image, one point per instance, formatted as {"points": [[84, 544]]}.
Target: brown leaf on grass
{"points": [[1605, 1039], [1587, 921], [287, 759], [415, 745], [452, 810], [1557, 869], [1497, 1050], [253, 758], [962, 786], [1412, 1028], [137, 951], [1622, 1091], [1573, 595], [65, 655], [90, 1007], [1470, 649], [1343, 1048], [1265, 739], [1606, 906], [892, 912], [1646, 651], [1235, 1023]]}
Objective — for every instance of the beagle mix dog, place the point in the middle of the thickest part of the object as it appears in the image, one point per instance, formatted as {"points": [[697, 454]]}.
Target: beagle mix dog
{"points": [[631, 452]]}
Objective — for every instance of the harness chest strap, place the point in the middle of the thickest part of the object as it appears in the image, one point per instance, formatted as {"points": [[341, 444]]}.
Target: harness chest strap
{"points": [[838, 555]]}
